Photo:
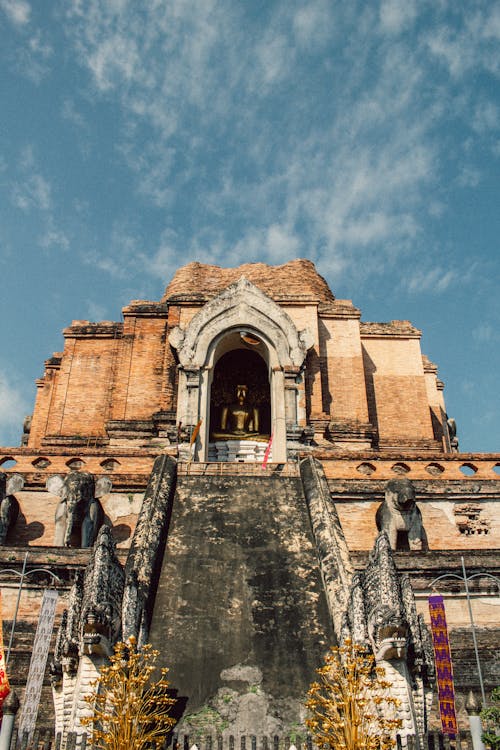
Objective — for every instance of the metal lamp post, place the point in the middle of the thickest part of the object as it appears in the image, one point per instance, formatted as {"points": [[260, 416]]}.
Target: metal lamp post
{"points": [[22, 576]]}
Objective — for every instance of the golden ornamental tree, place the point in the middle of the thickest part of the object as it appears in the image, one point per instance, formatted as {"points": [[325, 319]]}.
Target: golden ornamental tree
{"points": [[350, 705], [131, 710]]}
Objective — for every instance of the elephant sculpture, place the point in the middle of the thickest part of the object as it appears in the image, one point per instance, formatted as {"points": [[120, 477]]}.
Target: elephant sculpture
{"points": [[9, 506], [79, 514], [400, 516]]}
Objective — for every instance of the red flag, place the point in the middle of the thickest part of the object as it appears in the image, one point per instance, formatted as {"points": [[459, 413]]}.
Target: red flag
{"points": [[4, 680], [268, 451]]}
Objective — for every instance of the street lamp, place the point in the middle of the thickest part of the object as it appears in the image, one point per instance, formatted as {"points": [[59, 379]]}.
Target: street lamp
{"points": [[22, 575]]}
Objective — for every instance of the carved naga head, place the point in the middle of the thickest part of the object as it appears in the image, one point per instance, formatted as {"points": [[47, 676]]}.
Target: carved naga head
{"points": [[388, 633]]}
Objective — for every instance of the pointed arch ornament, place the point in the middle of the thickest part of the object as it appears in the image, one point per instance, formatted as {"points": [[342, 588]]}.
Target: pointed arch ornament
{"points": [[241, 307]]}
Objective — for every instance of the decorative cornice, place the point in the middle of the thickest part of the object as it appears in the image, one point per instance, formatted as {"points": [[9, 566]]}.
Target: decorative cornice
{"points": [[394, 328]]}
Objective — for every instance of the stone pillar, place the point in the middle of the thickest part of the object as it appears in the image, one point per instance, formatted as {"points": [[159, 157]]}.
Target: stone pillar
{"points": [[473, 708], [278, 416], [188, 405], [10, 708], [291, 398]]}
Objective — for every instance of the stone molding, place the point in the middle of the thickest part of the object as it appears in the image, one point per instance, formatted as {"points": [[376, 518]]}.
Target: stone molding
{"points": [[241, 305]]}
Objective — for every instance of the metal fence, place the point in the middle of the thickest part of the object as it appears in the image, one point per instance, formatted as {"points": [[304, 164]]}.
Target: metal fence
{"points": [[434, 740]]}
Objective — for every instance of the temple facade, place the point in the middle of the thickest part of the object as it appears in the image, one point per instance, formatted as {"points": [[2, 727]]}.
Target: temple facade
{"points": [[244, 473], [314, 370]]}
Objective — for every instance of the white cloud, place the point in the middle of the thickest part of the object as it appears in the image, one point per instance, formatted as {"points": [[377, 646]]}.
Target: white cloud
{"points": [[396, 15], [485, 333], [13, 405], [312, 23], [96, 311], [115, 59], [70, 113], [273, 57], [473, 46], [40, 46], [54, 238], [491, 28], [469, 176], [486, 117], [33, 192], [436, 280], [17, 11], [213, 133]]}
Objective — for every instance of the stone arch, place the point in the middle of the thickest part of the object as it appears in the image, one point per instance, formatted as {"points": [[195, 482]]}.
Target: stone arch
{"points": [[242, 307]]}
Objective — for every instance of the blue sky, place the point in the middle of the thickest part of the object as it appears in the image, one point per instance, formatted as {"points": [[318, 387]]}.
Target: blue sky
{"points": [[138, 136]]}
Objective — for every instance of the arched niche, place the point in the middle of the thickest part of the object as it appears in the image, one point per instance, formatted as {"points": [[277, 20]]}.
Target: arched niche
{"points": [[220, 327], [245, 367]]}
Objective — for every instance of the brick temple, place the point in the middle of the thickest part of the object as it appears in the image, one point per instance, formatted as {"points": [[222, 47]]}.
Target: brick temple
{"points": [[273, 474]]}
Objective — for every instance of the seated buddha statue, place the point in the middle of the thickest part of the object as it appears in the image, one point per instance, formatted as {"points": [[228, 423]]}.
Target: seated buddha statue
{"points": [[239, 420]]}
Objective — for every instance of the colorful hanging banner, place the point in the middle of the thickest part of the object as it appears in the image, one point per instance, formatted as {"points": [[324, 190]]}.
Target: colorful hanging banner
{"points": [[192, 442], [4, 680], [444, 668], [268, 452], [195, 432], [41, 645]]}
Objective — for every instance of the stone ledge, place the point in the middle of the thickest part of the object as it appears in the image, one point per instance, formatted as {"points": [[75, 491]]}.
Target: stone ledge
{"points": [[85, 329], [424, 567], [394, 328], [74, 441], [145, 309]]}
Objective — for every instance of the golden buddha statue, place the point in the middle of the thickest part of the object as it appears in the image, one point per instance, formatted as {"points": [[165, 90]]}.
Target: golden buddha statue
{"points": [[239, 420]]}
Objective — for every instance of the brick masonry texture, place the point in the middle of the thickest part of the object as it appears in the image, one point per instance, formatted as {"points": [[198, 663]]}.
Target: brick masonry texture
{"points": [[241, 599], [298, 278], [357, 374]]}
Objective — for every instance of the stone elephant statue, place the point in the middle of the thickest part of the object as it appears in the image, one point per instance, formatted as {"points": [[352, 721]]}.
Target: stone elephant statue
{"points": [[79, 514], [400, 516], [9, 506]]}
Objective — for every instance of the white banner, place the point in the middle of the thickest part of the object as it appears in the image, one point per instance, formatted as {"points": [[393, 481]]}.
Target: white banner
{"points": [[41, 646]]}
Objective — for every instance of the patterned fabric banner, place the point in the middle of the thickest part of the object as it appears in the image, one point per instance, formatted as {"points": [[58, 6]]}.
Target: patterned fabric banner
{"points": [[267, 452], [41, 645], [4, 680], [444, 669]]}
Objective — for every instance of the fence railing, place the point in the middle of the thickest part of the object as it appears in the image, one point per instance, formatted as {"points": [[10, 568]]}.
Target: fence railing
{"points": [[243, 468], [434, 740]]}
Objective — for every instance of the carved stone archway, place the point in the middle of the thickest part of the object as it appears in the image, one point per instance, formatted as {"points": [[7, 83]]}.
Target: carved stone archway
{"points": [[239, 309]]}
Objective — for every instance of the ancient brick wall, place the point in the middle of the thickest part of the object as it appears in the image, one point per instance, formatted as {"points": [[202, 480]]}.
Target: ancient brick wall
{"points": [[112, 375], [81, 402], [435, 398], [397, 394], [140, 378], [344, 361], [455, 515], [46, 388], [298, 278], [36, 522]]}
